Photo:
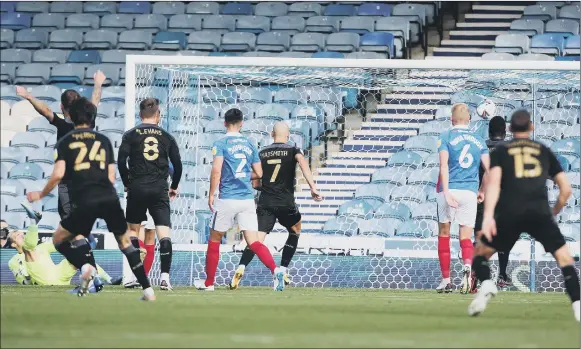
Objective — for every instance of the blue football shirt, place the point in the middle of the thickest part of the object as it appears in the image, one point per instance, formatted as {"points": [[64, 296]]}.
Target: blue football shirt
{"points": [[465, 149], [239, 156]]}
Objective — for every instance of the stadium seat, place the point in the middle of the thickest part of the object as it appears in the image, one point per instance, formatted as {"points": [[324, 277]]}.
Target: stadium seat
{"points": [[567, 27], [7, 6], [114, 56], [384, 228], [356, 24], [3, 175], [32, 7], [53, 56], [342, 42], [48, 93], [66, 7], [68, 72], [237, 9], [396, 210], [374, 9], [570, 215], [114, 125], [26, 171], [106, 110], [68, 39], [12, 156], [364, 55], [378, 42], [434, 128], [27, 140], [498, 56], [100, 8], [31, 39], [203, 8], [272, 112], [425, 177], [238, 41], [33, 73], [15, 21], [99, 39], [553, 44], [307, 42], [374, 191], [117, 22], [44, 155], [432, 160], [48, 21], [151, 23], [527, 26], [570, 231], [169, 8], [421, 144], [184, 23], [50, 221], [322, 24], [50, 205], [540, 11], [356, 209], [345, 10], [135, 40], [6, 38], [273, 42], [16, 56], [427, 210], [288, 24], [204, 41], [328, 54], [512, 43], [84, 56], [391, 175], [253, 24], [416, 14], [575, 165], [422, 229], [294, 54], [15, 220], [82, 22], [215, 126], [340, 226], [7, 72], [305, 9], [255, 94], [570, 100], [169, 41], [572, 45], [410, 193], [534, 57], [569, 11], [270, 9], [568, 147], [405, 158], [134, 7], [219, 23]]}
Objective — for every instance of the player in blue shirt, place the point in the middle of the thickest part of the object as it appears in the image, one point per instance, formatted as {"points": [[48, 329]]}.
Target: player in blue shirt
{"points": [[236, 164], [461, 153]]}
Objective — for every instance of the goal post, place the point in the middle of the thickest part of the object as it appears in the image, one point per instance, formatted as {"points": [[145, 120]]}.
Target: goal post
{"points": [[369, 129]]}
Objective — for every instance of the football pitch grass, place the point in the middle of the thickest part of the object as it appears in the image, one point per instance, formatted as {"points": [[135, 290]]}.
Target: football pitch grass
{"points": [[35, 317]]}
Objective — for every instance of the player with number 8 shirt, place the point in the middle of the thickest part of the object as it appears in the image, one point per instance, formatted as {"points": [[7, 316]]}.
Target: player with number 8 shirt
{"points": [[150, 149]]}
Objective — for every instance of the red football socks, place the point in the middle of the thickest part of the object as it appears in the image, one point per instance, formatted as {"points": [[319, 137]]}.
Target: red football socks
{"points": [[264, 255], [467, 251], [444, 255], [149, 257], [212, 259]]}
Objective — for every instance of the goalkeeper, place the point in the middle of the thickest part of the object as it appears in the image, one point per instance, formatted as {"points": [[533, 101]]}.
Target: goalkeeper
{"points": [[32, 265]]}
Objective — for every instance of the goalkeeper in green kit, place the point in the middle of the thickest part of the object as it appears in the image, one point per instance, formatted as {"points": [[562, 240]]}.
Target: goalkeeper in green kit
{"points": [[32, 265]]}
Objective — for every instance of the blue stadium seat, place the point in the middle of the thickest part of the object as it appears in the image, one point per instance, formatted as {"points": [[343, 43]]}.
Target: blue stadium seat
{"points": [[238, 41], [151, 23], [184, 23], [374, 191], [68, 39], [572, 45], [44, 155], [33, 73], [356, 209], [527, 26], [428, 211], [31, 6], [540, 11], [203, 8], [421, 144], [569, 11], [48, 93], [26, 171], [570, 231], [219, 23], [575, 165], [50, 205], [50, 221], [107, 110], [48, 21], [434, 128], [82, 22], [553, 44], [3, 175], [68, 72], [345, 10], [308, 42], [27, 140], [568, 148], [410, 193], [15, 21], [169, 41], [204, 41], [16, 56], [237, 9], [84, 56], [253, 24], [374, 9], [100, 39], [12, 156], [378, 42], [391, 175], [427, 177], [7, 6], [255, 94], [566, 27], [395, 210], [117, 22], [356, 24], [7, 72], [220, 94], [135, 40], [273, 42], [512, 43], [342, 42], [405, 158], [340, 226], [416, 14], [31, 39], [273, 112], [305, 9], [100, 8], [422, 229], [66, 7], [169, 8], [288, 24], [134, 7], [322, 24], [114, 56], [115, 125], [384, 228], [570, 100], [271, 9], [215, 126], [432, 160], [6, 38], [8, 93], [15, 220], [570, 215], [12, 187]]}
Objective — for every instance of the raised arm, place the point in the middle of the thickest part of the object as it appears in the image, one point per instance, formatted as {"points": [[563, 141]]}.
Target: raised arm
{"points": [[99, 78], [306, 170], [40, 107]]}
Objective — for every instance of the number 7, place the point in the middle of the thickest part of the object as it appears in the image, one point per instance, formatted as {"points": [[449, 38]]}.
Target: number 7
{"points": [[276, 162]]}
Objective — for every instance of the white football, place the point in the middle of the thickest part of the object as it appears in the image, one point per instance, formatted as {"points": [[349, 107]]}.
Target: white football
{"points": [[486, 109]]}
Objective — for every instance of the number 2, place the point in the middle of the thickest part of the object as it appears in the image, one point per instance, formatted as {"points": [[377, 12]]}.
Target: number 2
{"points": [[466, 159], [524, 156], [241, 165], [276, 162], [96, 154]]}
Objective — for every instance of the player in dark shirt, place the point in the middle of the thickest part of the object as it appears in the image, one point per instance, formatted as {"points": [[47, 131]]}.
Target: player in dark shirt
{"points": [[277, 196], [516, 201], [150, 150], [85, 158]]}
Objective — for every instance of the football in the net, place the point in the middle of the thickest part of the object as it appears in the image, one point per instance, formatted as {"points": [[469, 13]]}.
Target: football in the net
{"points": [[486, 109]]}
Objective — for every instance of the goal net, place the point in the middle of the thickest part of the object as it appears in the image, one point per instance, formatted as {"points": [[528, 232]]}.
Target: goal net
{"points": [[369, 129]]}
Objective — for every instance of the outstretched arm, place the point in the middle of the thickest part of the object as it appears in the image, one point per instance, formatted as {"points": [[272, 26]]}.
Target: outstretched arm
{"points": [[40, 107], [306, 170]]}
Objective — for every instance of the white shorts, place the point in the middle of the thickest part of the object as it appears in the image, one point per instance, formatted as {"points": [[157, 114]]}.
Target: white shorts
{"points": [[227, 212], [464, 214], [148, 224]]}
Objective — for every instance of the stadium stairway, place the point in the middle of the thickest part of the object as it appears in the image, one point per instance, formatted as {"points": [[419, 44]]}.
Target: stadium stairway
{"points": [[387, 126]]}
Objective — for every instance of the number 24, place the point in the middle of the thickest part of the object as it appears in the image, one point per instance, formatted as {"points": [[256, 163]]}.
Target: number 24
{"points": [[96, 154]]}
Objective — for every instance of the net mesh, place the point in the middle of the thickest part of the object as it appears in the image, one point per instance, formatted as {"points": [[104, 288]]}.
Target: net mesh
{"points": [[370, 137]]}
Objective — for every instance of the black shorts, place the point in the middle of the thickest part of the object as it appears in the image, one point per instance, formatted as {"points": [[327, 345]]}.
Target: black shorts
{"points": [[287, 216], [479, 218], [83, 215], [64, 200], [542, 227], [154, 199]]}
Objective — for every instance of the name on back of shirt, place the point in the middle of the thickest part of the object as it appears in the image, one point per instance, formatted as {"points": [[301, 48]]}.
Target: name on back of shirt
{"points": [[466, 137], [83, 135], [277, 153], [148, 131]]}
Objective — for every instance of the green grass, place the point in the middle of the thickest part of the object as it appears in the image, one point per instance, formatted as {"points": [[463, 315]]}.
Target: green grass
{"points": [[36, 317]]}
